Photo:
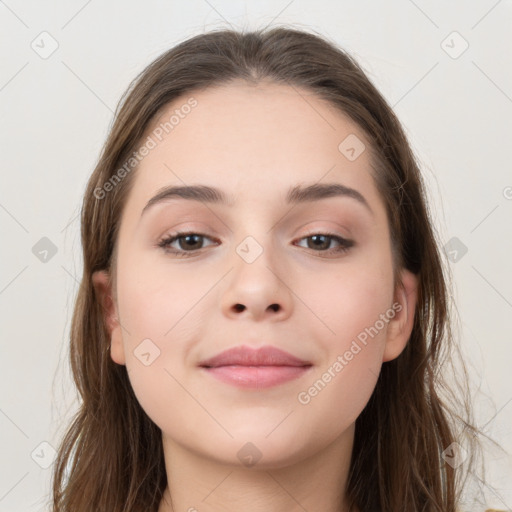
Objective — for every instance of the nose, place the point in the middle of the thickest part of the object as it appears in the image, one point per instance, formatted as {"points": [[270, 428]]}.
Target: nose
{"points": [[258, 290]]}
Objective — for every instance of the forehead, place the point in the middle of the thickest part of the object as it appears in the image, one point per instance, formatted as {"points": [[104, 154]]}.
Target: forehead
{"points": [[253, 141]]}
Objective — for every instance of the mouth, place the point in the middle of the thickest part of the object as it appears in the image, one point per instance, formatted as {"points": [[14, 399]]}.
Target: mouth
{"points": [[255, 368]]}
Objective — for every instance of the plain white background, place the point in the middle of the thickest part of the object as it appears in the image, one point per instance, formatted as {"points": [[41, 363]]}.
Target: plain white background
{"points": [[444, 67]]}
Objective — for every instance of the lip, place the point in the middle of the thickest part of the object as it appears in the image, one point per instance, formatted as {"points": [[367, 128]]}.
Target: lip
{"points": [[244, 355], [264, 367]]}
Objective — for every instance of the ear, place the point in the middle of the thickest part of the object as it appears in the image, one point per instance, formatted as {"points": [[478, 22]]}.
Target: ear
{"points": [[103, 289], [400, 326]]}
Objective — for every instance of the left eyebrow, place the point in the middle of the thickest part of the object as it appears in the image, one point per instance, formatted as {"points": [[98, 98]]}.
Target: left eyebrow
{"points": [[295, 195]]}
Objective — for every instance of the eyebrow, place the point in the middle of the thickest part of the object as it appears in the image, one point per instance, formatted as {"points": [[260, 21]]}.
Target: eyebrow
{"points": [[295, 195]]}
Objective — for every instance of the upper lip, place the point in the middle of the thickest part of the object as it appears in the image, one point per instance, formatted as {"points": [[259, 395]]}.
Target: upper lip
{"points": [[246, 356]]}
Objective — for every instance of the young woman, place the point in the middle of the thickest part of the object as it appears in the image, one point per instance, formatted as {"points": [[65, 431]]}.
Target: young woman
{"points": [[264, 312]]}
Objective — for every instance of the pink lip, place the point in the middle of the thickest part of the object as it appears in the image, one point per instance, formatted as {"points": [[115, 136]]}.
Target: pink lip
{"points": [[255, 368]]}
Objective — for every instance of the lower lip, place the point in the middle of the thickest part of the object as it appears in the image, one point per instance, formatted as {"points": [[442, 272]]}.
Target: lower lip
{"points": [[257, 376]]}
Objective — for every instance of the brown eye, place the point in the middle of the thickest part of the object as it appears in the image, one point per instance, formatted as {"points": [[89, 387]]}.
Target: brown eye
{"points": [[192, 241], [188, 242], [321, 242]]}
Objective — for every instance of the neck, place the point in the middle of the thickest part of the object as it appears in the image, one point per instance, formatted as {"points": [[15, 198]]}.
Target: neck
{"points": [[315, 482]]}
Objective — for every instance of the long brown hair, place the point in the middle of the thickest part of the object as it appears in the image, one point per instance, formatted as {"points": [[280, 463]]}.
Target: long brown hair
{"points": [[111, 458]]}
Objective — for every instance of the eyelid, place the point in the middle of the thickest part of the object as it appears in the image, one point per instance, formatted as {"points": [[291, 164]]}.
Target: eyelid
{"points": [[324, 231], [337, 226]]}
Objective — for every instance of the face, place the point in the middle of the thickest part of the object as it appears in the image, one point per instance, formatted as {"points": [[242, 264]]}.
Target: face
{"points": [[311, 277]]}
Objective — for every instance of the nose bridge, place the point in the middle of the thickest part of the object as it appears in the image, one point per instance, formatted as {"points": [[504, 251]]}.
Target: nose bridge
{"points": [[254, 235], [256, 262]]}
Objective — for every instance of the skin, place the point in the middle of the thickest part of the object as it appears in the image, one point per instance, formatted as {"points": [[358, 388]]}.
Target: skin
{"points": [[255, 142]]}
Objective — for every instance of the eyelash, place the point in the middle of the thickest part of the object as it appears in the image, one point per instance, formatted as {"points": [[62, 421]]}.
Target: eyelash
{"points": [[345, 244]]}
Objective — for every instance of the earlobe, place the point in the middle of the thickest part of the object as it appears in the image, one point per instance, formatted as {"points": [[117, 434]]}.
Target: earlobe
{"points": [[400, 326], [103, 289]]}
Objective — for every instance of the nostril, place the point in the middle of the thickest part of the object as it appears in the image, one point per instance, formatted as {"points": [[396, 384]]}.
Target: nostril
{"points": [[239, 307]]}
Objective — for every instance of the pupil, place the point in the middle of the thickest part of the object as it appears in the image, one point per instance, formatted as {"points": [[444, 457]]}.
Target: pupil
{"points": [[188, 237], [317, 237]]}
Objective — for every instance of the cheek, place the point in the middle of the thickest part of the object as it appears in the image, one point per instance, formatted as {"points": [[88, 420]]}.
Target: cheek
{"points": [[350, 299], [157, 301], [355, 308], [159, 311]]}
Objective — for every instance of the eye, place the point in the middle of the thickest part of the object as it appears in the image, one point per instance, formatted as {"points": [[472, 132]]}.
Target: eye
{"points": [[189, 242], [323, 241]]}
